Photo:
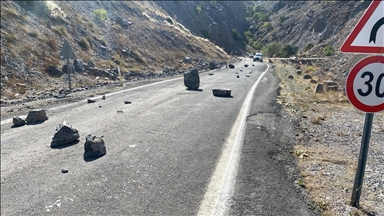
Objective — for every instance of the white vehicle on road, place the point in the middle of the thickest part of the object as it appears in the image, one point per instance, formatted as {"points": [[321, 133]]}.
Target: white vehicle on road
{"points": [[258, 57]]}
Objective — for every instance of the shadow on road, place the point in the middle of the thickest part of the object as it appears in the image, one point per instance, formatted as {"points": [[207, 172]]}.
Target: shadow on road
{"points": [[35, 123], [223, 96], [198, 90], [66, 145], [90, 159]]}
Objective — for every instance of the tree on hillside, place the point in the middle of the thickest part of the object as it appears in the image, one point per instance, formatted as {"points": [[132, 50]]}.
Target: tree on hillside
{"points": [[272, 48]]}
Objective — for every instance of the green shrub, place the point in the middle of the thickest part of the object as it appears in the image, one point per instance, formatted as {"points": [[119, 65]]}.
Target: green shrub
{"points": [[100, 14], [267, 26], [328, 51], [248, 34], [282, 18], [272, 48], [199, 8], [256, 45], [206, 33], [235, 34], [308, 47], [287, 51]]}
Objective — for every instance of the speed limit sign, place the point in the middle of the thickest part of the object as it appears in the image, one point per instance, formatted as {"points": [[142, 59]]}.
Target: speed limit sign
{"points": [[365, 84]]}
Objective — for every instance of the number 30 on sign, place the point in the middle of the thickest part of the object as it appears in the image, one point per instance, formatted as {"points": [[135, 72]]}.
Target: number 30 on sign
{"points": [[365, 84]]}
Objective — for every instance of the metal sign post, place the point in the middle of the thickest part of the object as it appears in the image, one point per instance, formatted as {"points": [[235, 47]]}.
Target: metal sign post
{"points": [[365, 91], [356, 192], [121, 79], [67, 53], [364, 86], [69, 75]]}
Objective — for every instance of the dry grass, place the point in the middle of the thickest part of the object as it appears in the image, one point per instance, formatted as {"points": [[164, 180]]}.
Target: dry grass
{"points": [[326, 180], [60, 30], [53, 43], [327, 171], [83, 43], [11, 39], [84, 55], [10, 13], [316, 121]]}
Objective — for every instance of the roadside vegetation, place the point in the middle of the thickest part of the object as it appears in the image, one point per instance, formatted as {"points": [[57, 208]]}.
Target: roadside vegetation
{"points": [[328, 135]]}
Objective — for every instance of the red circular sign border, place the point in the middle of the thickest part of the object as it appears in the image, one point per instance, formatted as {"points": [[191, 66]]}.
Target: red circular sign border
{"points": [[349, 85]]}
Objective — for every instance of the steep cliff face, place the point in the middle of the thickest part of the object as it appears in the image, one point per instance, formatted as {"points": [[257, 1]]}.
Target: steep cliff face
{"points": [[215, 20], [303, 22]]}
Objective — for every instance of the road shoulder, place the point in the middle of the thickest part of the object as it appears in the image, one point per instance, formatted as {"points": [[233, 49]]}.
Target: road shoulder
{"points": [[265, 183]]}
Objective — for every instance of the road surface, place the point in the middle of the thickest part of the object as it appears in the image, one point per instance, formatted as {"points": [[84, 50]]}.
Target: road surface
{"points": [[167, 153]]}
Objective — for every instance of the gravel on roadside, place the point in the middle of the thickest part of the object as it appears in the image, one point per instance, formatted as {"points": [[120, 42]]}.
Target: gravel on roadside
{"points": [[328, 136]]}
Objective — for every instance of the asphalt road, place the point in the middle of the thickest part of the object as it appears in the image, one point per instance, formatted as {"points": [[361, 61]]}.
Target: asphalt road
{"points": [[164, 152]]}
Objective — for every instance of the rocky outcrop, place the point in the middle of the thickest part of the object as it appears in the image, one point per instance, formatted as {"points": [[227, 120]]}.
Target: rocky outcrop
{"points": [[213, 20]]}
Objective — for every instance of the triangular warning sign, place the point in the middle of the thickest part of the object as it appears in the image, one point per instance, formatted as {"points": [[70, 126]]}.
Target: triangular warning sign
{"points": [[67, 52], [368, 35]]}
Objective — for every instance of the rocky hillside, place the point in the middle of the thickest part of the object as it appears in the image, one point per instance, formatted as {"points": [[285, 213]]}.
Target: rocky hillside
{"points": [[151, 39], [316, 22], [213, 20], [311, 27], [138, 37]]}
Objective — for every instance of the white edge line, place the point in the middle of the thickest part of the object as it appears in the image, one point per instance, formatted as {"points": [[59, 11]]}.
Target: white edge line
{"points": [[220, 189]]}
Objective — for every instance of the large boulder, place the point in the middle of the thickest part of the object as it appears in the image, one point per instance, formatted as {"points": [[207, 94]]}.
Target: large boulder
{"points": [[64, 69], [94, 147], [35, 116], [17, 121], [307, 76], [192, 79], [333, 88], [329, 83], [212, 65], [319, 88], [78, 64], [64, 134], [221, 92], [54, 72], [319, 73], [91, 64], [123, 22]]}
